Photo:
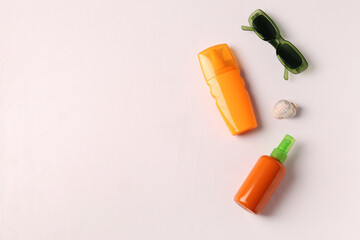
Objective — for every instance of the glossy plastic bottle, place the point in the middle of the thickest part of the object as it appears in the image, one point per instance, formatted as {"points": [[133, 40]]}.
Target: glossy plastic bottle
{"points": [[264, 178], [222, 74]]}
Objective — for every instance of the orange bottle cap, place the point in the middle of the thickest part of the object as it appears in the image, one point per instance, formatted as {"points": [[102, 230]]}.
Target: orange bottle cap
{"points": [[217, 60]]}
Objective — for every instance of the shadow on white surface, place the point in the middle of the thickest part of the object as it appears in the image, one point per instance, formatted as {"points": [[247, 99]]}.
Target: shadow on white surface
{"points": [[299, 112]]}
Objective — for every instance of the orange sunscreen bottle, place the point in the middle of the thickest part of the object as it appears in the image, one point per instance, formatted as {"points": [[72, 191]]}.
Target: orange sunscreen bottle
{"points": [[222, 74], [264, 178]]}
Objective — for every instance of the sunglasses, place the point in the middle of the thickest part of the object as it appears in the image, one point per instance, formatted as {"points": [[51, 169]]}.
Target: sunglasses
{"points": [[286, 52]]}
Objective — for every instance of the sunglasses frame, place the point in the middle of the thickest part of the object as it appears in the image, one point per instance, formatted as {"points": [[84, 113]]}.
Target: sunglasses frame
{"points": [[276, 42]]}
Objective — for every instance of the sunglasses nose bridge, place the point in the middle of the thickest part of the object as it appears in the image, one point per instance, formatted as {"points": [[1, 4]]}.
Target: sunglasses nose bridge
{"points": [[275, 43]]}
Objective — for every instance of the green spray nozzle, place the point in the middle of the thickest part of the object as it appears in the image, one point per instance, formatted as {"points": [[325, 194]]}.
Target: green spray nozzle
{"points": [[280, 153]]}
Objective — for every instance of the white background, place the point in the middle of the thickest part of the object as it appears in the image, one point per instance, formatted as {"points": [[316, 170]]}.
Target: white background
{"points": [[108, 129]]}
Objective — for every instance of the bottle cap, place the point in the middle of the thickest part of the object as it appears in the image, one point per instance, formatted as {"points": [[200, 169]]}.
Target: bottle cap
{"points": [[216, 60], [280, 153]]}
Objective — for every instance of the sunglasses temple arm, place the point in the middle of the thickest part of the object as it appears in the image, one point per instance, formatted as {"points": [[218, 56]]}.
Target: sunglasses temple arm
{"points": [[246, 28], [286, 74]]}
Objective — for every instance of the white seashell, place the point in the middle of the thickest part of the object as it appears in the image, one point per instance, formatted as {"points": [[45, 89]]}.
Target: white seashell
{"points": [[284, 109]]}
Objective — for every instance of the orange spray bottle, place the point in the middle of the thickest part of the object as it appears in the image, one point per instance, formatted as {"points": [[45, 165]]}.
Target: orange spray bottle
{"points": [[222, 74], [264, 178]]}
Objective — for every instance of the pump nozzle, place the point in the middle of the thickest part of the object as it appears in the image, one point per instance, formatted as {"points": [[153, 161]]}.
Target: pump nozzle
{"points": [[280, 153]]}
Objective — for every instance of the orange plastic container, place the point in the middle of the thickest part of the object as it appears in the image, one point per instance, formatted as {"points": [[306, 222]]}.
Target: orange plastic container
{"points": [[264, 178], [260, 184], [222, 74]]}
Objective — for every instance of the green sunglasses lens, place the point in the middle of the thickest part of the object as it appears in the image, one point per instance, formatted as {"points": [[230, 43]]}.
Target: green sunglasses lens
{"points": [[264, 27], [289, 56]]}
